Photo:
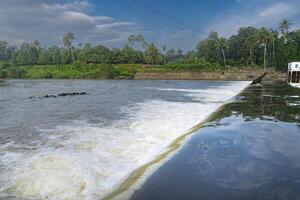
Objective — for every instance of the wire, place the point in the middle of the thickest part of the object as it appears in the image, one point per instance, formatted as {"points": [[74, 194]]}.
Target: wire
{"points": [[157, 12], [167, 16]]}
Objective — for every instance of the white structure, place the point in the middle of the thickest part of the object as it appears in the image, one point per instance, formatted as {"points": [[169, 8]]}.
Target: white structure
{"points": [[294, 74]]}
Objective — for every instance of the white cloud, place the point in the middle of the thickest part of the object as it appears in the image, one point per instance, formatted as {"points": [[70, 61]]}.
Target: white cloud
{"points": [[281, 9], [268, 13], [48, 20]]}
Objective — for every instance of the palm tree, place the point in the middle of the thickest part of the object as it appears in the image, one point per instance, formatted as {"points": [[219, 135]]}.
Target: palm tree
{"points": [[164, 48], [223, 45], [250, 45], [133, 39], [273, 37], [152, 53], [284, 28], [4, 44], [262, 38], [68, 39]]}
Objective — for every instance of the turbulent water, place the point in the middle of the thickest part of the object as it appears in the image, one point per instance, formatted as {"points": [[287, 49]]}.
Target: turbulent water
{"points": [[82, 147]]}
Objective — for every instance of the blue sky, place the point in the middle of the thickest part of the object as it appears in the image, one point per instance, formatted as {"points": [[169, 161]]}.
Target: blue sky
{"points": [[109, 22]]}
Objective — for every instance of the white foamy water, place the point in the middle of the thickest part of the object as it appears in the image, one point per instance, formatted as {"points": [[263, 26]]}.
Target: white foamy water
{"points": [[82, 160]]}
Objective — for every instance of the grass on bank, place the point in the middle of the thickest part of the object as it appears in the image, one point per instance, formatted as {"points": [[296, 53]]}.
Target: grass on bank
{"points": [[96, 71]]}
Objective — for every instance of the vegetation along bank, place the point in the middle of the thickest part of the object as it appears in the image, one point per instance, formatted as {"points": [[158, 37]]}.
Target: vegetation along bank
{"points": [[241, 56]]}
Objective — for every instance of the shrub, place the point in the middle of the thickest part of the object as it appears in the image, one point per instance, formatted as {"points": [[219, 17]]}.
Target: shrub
{"points": [[3, 73]]}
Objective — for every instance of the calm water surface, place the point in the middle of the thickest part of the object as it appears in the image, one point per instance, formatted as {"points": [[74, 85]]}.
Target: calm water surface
{"points": [[82, 147], [249, 150]]}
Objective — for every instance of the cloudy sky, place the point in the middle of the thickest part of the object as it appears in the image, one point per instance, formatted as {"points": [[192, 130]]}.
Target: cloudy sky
{"points": [[174, 23]]}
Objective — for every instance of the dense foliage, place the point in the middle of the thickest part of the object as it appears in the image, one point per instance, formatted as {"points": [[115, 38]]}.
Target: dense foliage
{"points": [[251, 47]]}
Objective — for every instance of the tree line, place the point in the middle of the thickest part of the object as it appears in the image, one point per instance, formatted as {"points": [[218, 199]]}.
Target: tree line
{"points": [[252, 47]]}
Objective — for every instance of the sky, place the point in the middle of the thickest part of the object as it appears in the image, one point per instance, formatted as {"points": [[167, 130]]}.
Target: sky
{"points": [[173, 23]]}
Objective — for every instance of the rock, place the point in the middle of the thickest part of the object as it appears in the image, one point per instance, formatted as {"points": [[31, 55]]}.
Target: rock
{"points": [[61, 95]]}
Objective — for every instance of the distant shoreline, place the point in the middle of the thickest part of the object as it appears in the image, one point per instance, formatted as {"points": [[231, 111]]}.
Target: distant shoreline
{"points": [[214, 76], [135, 72]]}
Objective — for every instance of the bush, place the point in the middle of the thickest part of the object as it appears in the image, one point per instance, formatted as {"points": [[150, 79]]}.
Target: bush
{"points": [[14, 72], [5, 66], [125, 70], [48, 75], [61, 76], [3, 73]]}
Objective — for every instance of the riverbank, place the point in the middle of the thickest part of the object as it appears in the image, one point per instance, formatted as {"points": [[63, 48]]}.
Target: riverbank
{"points": [[134, 71], [247, 150], [234, 75]]}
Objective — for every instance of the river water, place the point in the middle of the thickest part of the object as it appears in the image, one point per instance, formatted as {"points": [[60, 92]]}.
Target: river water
{"points": [[82, 147], [248, 150]]}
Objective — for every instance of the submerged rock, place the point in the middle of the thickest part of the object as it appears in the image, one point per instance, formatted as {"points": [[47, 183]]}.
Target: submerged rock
{"points": [[60, 95]]}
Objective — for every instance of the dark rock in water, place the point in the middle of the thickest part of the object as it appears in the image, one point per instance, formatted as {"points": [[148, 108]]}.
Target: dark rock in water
{"points": [[48, 96], [61, 95], [71, 94]]}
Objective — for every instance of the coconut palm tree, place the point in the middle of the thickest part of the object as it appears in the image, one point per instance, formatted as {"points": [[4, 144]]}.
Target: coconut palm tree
{"points": [[263, 38], [223, 45], [164, 48], [152, 53], [4, 45], [284, 28], [250, 44], [135, 39], [273, 37], [68, 39]]}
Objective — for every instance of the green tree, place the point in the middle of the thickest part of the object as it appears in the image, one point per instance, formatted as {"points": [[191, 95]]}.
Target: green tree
{"points": [[209, 48], [4, 50], [179, 53], [131, 55], [263, 36], [99, 54], [152, 54], [284, 28], [170, 55], [273, 38], [136, 39], [164, 48], [223, 45], [243, 47], [68, 39], [66, 57], [250, 45], [43, 57], [27, 54], [54, 55]]}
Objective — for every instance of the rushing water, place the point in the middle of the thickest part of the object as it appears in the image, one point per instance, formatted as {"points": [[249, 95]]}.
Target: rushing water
{"points": [[82, 147]]}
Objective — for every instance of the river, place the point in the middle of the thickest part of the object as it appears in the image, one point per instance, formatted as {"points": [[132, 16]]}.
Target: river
{"points": [[82, 147]]}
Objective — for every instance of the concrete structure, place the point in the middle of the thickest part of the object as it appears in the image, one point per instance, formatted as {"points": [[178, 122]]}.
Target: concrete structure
{"points": [[234, 75], [294, 74]]}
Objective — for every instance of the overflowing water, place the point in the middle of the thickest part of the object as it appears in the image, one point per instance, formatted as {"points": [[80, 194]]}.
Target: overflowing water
{"points": [[82, 147]]}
